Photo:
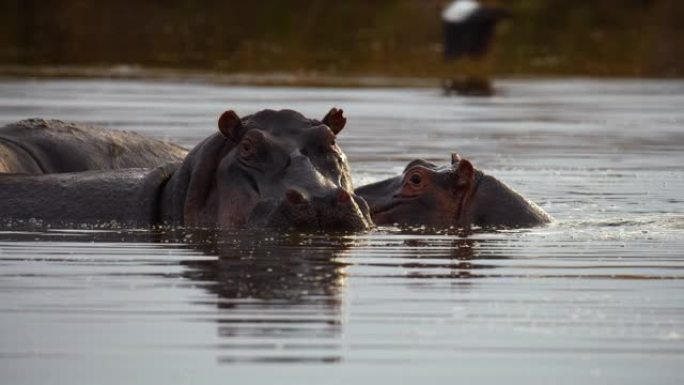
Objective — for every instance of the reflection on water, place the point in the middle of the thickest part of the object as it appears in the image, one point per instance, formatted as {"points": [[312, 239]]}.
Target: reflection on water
{"points": [[595, 298], [276, 288], [383, 299]]}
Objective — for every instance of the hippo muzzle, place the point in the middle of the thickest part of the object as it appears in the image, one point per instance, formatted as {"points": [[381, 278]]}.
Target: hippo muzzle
{"points": [[338, 210]]}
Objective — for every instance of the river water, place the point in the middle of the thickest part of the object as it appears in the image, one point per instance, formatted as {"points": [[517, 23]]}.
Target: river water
{"points": [[595, 298]]}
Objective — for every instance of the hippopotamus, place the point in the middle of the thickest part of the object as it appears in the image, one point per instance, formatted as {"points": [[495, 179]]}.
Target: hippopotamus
{"points": [[273, 169], [457, 195], [38, 146]]}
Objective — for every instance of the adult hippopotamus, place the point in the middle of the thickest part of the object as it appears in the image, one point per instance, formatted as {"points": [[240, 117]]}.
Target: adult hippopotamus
{"points": [[458, 195], [270, 169], [38, 146]]}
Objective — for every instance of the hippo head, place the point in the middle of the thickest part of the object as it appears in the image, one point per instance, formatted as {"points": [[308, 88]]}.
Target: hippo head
{"points": [[449, 196], [423, 195], [274, 169]]}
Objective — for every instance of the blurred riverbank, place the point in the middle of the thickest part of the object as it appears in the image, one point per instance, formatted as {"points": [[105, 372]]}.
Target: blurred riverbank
{"points": [[385, 38]]}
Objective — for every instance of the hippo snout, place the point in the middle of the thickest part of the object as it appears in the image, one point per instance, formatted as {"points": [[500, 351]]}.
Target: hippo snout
{"points": [[342, 210], [337, 210]]}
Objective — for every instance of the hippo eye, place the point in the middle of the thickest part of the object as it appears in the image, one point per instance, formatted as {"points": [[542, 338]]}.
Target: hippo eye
{"points": [[415, 179], [246, 149]]}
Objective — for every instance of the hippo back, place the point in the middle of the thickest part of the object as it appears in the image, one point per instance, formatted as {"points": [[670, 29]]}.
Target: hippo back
{"points": [[128, 197], [37, 146], [497, 205]]}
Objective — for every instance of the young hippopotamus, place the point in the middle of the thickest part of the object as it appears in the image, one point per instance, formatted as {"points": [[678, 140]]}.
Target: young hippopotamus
{"points": [[38, 146], [449, 196], [273, 169]]}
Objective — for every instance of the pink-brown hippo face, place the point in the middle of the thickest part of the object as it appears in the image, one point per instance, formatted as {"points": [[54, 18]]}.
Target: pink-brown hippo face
{"points": [[274, 169], [425, 194], [456, 196]]}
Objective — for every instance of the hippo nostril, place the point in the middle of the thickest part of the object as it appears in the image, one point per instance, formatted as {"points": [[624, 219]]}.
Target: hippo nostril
{"points": [[343, 196], [295, 197]]}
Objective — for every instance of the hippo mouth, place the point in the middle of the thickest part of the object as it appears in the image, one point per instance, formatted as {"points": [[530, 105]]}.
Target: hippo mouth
{"points": [[397, 201], [342, 212]]}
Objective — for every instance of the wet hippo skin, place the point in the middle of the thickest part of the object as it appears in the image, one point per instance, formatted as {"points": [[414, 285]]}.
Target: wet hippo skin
{"points": [[274, 169], [38, 146], [128, 197], [457, 195]]}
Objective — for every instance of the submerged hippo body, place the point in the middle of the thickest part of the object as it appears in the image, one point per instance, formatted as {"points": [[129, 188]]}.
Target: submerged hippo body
{"points": [[453, 196], [38, 146], [127, 197], [273, 169]]}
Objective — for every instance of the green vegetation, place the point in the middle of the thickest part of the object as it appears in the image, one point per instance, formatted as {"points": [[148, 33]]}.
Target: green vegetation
{"points": [[351, 37]]}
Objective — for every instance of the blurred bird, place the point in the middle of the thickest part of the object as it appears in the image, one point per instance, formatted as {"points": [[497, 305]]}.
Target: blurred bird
{"points": [[469, 28]]}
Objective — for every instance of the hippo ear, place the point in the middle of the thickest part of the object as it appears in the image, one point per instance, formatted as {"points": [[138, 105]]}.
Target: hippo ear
{"points": [[230, 125], [455, 159], [465, 173], [335, 120]]}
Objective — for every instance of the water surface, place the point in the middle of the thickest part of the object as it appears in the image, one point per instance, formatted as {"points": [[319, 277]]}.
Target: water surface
{"points": [[597, 297]]}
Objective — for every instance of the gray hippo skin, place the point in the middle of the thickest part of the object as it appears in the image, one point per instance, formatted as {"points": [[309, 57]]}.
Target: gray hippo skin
{"points": [[37, 146], [453, 196], [127, 197], [272, 169]]}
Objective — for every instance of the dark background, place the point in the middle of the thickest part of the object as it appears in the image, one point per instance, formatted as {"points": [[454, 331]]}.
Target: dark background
{"points": [[383, 37]]}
